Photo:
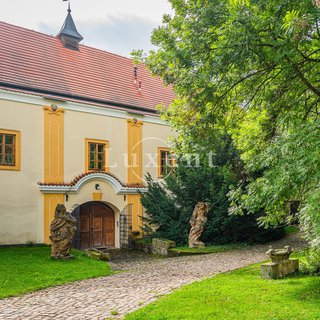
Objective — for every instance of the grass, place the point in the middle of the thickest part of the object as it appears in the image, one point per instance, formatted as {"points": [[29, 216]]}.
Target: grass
{"points": [[239, 295], [114, 312], [224, 247], [26, 269], [291, 229], [209, 249]]}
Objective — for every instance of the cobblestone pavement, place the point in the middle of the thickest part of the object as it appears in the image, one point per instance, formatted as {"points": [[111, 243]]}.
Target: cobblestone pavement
{"points": [[144, 281]]}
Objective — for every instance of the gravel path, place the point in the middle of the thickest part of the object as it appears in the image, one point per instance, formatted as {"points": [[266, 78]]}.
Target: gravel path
{"points": [[145, 279]]}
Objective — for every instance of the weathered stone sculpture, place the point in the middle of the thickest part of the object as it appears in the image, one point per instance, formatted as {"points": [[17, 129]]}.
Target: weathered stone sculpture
{"points": [[62, 230], [280, 264], [197, 222], [279, 255]]}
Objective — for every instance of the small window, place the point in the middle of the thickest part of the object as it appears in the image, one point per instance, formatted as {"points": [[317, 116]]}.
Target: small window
{"points": [[9, 150], [96, 155], [166, 162]]}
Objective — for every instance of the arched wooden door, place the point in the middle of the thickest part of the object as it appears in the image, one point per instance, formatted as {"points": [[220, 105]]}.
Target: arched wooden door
{"points": [[96, 225]]}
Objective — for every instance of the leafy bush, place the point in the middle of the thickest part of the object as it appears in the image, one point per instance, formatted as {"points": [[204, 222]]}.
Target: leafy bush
{"points": [[291, 175], [311, 265]]}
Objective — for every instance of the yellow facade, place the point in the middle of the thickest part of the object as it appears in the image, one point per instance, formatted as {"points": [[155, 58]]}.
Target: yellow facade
{"points": [[134, 134], [53, 145], [135, 142], [53, 152], [53, 162], [80, 126], [137, 211]]}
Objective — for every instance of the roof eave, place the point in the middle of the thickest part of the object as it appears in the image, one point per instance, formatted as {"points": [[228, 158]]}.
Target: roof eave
{"points": [[64, 96]]}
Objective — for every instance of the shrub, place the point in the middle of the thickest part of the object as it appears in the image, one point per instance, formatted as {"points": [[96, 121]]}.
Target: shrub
{"points": [[170, 204]]}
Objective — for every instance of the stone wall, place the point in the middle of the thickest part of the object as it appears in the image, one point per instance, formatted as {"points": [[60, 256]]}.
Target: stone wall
{"points": [[161, 246]]}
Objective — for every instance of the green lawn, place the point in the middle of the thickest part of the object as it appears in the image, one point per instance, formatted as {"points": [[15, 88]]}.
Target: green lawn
{"points": [[239, 295], [25, 269], [209, 249]]}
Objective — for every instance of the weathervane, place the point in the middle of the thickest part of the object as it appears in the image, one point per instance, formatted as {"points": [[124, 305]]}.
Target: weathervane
{"points": [[68, 5]]}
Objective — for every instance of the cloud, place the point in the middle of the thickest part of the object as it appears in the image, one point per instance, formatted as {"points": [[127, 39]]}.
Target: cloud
{"points": [[117, 34]]}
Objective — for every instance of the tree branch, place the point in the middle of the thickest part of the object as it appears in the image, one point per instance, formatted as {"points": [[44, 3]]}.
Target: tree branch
{"points": [[304, 79], [250, 75], [307, 57]]}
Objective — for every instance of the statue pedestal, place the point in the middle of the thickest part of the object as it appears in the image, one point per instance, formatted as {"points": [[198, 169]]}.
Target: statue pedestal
{"points": [[273, 270], [97, 254], [161, 246], [197, 245]]}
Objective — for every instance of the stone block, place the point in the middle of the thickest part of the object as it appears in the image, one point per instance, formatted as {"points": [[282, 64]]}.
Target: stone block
{"points": [[273, 270], [98, 255], [142, 245], [161, 246]]}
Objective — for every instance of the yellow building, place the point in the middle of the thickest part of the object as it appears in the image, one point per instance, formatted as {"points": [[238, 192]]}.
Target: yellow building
{"points": [[78, 126]]}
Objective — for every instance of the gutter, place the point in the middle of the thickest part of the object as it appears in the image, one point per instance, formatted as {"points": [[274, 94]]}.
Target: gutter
{"points": [[81, 98]]}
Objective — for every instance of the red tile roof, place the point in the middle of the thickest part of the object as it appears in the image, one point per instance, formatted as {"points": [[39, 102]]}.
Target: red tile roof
{"points": [[33, 62], [81, 176]]}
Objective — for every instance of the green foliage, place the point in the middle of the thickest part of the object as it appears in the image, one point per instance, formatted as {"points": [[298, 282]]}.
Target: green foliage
{"points": [[291, 229], [28, 269], [242, 295], [311, 264], [163, 214], [170, 204], [252, 67], [290, 167]]}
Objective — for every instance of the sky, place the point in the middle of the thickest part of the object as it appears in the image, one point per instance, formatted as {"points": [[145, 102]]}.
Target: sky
{"points": [[118, 26]]}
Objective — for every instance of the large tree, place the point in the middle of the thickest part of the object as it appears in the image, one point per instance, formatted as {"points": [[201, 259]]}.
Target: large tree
{"points": [[251, 66]]}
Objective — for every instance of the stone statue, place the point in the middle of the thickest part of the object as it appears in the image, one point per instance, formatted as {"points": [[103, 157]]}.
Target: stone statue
{"points": [[62, 230], [197, 222]]}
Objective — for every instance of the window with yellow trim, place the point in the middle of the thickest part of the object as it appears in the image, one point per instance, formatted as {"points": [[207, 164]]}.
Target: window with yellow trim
{"points": [[165, 162], [9, 150], [96, 155]]}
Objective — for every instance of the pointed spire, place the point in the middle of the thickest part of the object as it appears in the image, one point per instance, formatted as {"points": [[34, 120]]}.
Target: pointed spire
{"points": [[69, 34]]}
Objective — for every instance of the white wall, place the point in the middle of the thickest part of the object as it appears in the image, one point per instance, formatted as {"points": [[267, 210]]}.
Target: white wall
{"points": [[21, 203], [154, 136]]}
